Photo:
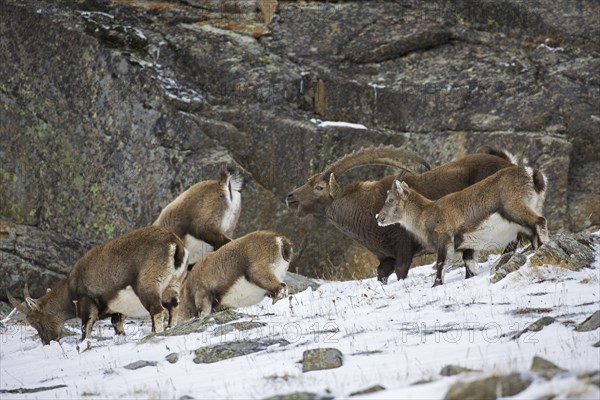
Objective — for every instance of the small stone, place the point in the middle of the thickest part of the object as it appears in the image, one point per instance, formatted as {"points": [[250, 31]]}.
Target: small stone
{"points": [[590, 323], [597, 344], [372, 389], [422, 382], [536, 326], [318, 359], [451, 370], [299, 396], [488, 388], [545, 368], [140, 364], [591, 377], [172, 358]]}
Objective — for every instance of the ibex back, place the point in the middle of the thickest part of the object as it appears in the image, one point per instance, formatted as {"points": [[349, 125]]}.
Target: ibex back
{"points": [[239, 274], [127, 275], [486, 215]]}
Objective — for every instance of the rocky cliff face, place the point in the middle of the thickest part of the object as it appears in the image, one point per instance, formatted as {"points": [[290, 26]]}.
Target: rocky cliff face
{"points": [[110, 108]]}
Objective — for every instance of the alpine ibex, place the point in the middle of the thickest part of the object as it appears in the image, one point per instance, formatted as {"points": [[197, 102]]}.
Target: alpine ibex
{"points": [[239, 274], [352, 207], [127, 275], [207, 212], [488, 214]]}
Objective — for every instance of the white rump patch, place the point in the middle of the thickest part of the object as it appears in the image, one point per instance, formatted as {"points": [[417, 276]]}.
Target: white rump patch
{"points": [[243, 293], [126, 302], [493, 233], [280, 266], [197, 249]]}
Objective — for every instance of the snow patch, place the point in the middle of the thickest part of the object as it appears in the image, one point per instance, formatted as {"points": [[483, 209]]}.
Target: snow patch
{"points": [[339, 124]]}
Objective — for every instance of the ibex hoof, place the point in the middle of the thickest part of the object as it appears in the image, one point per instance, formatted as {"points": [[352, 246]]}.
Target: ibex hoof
{"points": [[437, 282], [281, 294]]}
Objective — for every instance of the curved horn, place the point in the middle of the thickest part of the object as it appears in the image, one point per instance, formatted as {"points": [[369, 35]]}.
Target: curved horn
{"points": [[380, 155], [20, 307], [26, 291], [30, 301]]}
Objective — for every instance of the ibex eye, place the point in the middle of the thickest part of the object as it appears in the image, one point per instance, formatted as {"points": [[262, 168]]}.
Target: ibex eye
{"points": [[319, 188]]}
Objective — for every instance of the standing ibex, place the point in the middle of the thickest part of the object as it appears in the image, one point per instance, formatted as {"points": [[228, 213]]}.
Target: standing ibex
{"points": [[127, 275], [352, 207], [239, 274], [486, 215], [207, 212]]}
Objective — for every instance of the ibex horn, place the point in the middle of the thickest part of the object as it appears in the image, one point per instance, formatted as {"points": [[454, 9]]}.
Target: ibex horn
{"points": [[20, 307], [31, 302]]}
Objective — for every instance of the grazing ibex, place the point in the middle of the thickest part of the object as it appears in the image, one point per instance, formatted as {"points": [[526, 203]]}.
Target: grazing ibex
{"points": [[127, 275], [352, 207], [239, 274], [207, 212], [486, 215]]}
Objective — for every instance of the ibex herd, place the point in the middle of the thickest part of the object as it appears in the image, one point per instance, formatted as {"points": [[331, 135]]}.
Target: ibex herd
{"points": [[479, 201]]}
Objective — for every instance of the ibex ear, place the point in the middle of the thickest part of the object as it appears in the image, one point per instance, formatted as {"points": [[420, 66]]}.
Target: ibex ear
{"points": [[402, 188], [334, 187]]}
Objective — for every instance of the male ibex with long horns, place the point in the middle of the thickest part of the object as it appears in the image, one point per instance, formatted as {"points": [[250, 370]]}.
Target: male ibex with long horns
{"points": [[127, 275], [352, 207], [489, 214]]}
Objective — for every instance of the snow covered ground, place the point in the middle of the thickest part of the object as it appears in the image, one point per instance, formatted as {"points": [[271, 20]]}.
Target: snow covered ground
{"points": [[392, 335]]}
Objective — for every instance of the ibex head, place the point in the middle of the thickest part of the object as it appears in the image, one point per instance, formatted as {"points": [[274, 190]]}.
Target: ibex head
{"points": [[314, 196], [47, 322], [395, 206], [321, 189]]}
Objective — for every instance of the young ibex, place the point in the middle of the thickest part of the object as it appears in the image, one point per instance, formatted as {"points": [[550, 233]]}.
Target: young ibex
{"points": [[486, 215], [124, 276], [207, 212], [352, 207], [239, 274]]}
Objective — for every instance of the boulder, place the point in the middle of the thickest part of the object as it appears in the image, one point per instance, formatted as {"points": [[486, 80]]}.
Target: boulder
{"points": [[196, 325], [507, 263], [297, 283], [220, 352], [564, 251]]}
